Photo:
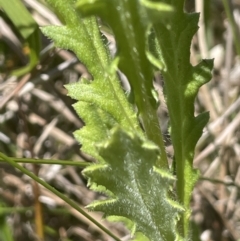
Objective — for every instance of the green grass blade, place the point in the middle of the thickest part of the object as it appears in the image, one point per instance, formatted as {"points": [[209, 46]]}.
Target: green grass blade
{"points": [[19, 16], [27, 28]]}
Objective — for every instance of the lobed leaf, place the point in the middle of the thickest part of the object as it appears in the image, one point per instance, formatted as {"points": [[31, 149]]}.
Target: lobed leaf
{"points": [[77, 37], [137, 190], [129, 23], [102, 102], [102, 105], [127, 171], [182, 82]]}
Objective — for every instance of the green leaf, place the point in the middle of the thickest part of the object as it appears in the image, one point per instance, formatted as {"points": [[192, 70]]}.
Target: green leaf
{"points": [[137, 190], [146, 32], [80, 36], [129, 23], [182, 82], [101, 110], [102, 102]]}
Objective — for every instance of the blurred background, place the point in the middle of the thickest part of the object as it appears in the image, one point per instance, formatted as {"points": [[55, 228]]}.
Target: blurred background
{"points": [[37, 121]]}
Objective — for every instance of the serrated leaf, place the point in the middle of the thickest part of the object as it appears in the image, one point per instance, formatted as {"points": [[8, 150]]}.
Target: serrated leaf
{"points": [[102, 105], [129, 23], [102, 102], [82, 36], [78, 39], [182, 83], [137, 190]]}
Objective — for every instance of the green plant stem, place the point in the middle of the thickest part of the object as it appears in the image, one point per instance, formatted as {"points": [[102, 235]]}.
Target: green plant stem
{"points": [[233, 25], [59, 194], [50, 161]]}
